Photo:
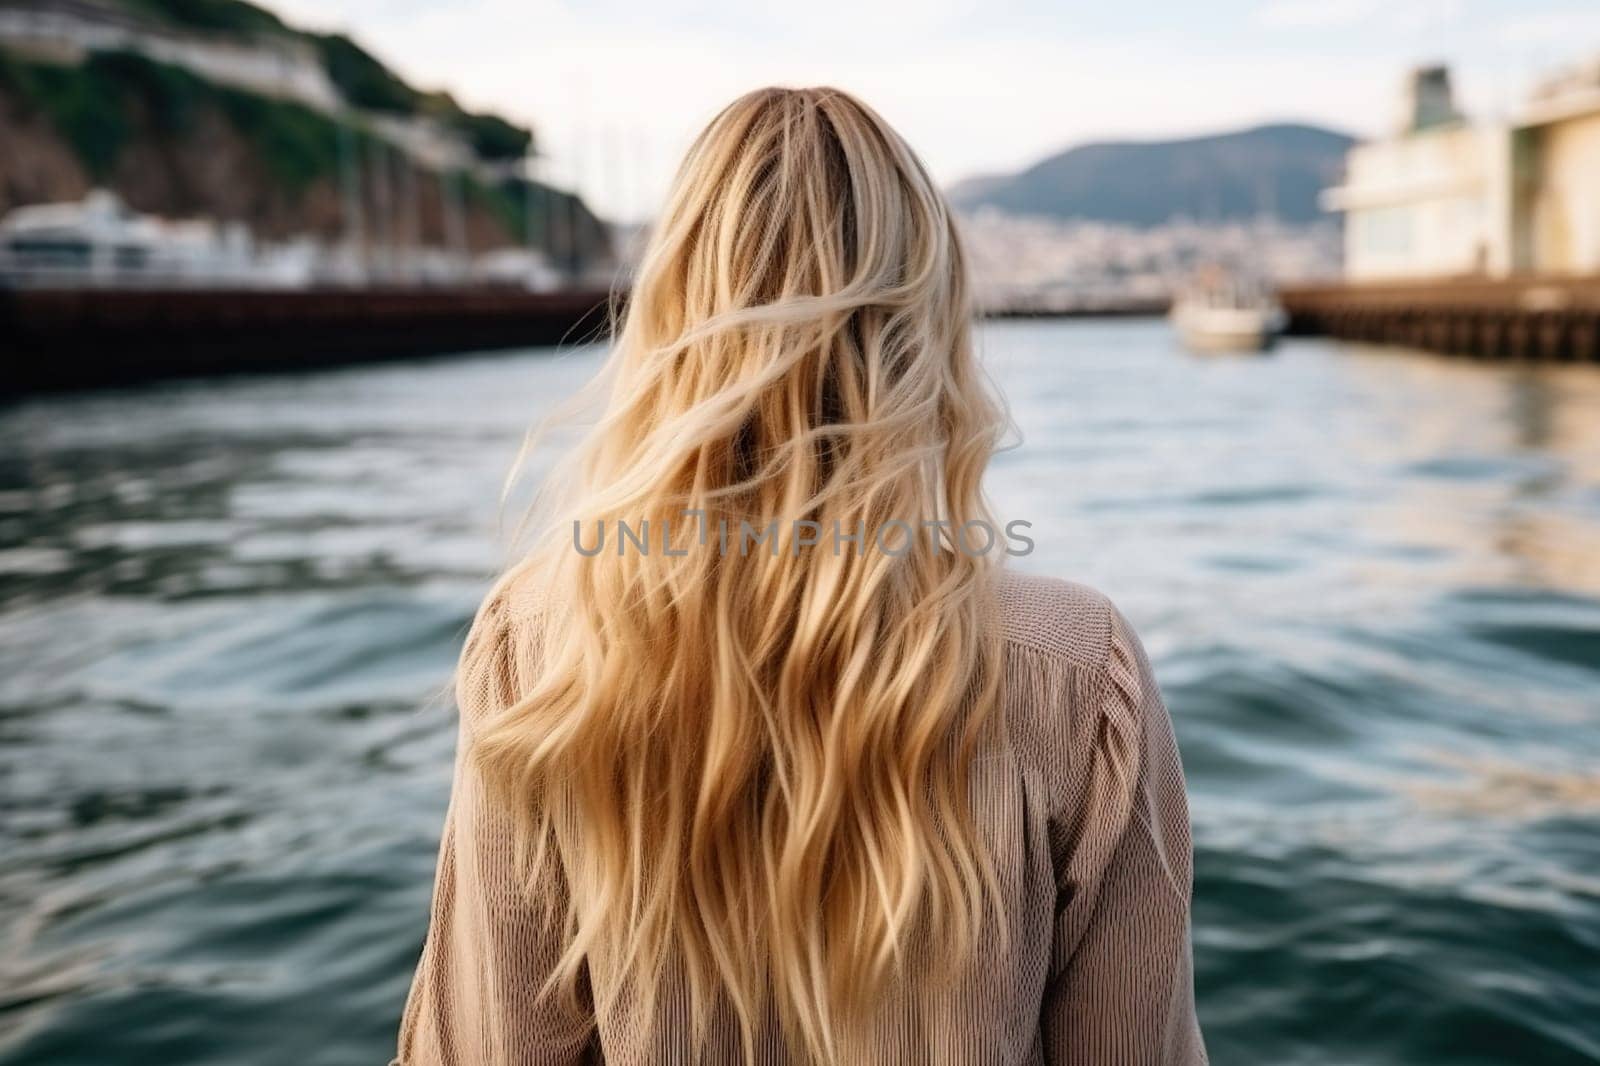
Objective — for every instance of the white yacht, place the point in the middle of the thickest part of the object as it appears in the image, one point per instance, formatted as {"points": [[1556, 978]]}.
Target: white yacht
{"points": [[1223, 314], [99, 242]]}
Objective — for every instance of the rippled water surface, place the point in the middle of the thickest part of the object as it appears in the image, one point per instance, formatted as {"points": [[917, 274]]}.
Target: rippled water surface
{"points": [[1369, 579]]}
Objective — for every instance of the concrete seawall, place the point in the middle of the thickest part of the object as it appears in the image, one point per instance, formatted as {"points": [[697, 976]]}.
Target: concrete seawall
{"points": [[59, 339], [64, 339]]}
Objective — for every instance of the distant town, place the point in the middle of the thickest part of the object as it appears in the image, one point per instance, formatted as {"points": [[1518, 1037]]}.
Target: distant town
{"points": [[1444, 196], [1024, 263]]}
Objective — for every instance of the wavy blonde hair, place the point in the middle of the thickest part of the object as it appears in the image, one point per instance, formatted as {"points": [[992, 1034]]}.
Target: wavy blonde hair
{"points": [[751, 766]]}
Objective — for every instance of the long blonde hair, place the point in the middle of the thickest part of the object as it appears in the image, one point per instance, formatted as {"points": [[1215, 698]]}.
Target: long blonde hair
{"points": [[749, 758]]}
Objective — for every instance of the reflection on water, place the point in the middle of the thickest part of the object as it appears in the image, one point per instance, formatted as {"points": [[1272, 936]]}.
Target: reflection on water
{"points": [[1518, 447], [1370, 581]]}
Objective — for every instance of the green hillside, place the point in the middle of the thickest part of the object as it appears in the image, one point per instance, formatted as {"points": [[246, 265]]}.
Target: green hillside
{"points": [[363, 79]]}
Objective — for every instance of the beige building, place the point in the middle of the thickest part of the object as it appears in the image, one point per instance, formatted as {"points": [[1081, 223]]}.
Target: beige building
{"points": [[1449, 197], [1556, 204]]}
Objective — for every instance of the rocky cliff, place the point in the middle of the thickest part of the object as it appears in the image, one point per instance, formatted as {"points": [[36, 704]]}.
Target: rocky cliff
{"points": [[173, 143]]}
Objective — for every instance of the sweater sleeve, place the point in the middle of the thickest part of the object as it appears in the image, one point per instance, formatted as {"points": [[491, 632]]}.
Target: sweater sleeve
{"points": [[1121, 987], [492, 938]]}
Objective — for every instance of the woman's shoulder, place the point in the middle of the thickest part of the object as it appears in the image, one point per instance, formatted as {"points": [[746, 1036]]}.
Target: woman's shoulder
{"points": [[1070, 622], [500, 656], [516, 599], [1084, 693]]}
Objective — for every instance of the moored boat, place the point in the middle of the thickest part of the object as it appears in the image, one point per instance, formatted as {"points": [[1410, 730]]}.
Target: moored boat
{"points": [[1227, 315]]}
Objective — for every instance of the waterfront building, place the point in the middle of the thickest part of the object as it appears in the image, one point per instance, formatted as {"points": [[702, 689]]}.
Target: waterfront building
{"points": [[1556, 198], [1447, 196]]}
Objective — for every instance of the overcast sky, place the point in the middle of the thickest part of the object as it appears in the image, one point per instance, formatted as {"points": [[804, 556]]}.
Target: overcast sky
{"points": [[616, 88]]}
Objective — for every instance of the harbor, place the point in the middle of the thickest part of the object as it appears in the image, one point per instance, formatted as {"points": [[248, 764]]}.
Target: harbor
{"points": [[1456, 234], [1294, 308]]}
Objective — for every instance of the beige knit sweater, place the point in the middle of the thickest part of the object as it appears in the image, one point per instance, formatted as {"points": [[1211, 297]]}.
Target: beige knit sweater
{"points": [[1084, 803]]}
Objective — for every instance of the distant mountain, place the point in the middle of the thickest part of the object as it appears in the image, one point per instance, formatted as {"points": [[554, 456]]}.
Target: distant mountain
{"points": [[1276, 169]]}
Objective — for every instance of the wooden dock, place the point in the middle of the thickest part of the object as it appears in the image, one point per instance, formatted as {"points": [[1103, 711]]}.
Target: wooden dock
{"points": [[1556, 319], [58, 339]]}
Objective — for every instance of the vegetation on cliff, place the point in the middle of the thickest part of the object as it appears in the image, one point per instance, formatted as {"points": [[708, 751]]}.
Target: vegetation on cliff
{"points": [[174, 144], [100, 106], [362, 79]]}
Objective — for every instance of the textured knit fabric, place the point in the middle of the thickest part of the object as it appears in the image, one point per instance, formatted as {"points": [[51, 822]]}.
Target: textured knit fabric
{"points": [[1083, 804]]}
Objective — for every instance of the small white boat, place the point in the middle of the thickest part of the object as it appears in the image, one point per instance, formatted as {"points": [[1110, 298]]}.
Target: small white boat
{"points": [[1227, 316]]}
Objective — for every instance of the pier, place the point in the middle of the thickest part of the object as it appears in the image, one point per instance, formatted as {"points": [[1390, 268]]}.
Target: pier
{"points": [[1554, 319], [59, 339], [65, 339]]}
